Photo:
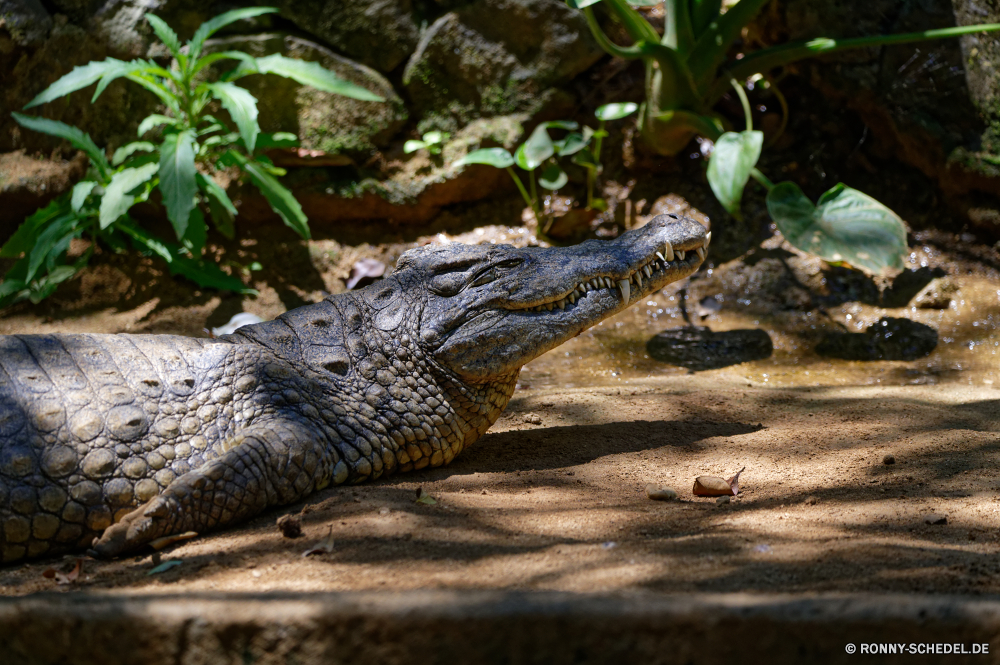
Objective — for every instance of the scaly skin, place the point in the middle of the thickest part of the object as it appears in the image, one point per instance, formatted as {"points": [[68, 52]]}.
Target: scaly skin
{"points": [[111, 441]]}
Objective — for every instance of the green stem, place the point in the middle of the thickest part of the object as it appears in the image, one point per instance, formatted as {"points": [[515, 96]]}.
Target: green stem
{"points": [[773, 87], [626, 52], [591, 177], [766, 59], [677, 33], [745, 102], [534, 196], [635, 24], [520, 187], [762, 179], [709, 51]]}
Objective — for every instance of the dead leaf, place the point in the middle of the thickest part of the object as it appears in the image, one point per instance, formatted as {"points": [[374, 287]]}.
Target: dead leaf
{"points": [[365, 269], [734, 482], [324, 546], [711, 486], [166, 541], [71, 576], [425, 498]]}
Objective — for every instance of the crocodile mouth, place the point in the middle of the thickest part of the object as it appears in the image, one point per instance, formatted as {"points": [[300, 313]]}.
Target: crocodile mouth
{"points": [[665, 262]]}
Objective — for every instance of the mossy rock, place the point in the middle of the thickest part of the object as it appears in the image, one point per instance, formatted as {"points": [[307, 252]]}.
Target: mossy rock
{"points": [[323, 121]]}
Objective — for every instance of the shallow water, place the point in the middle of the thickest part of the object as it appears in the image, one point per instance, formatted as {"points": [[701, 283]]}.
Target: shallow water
{"points": [[614, 353]]}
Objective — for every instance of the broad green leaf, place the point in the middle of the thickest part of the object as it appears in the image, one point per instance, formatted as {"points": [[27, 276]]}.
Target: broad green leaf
{"points": [[81, 191], [553, 177], [497, 157], [615, 111], [166, 35], [212, 58], [47, 241], [413, 145], [585, 158], [24, 238], [242, 107], [144, 240], [535, 150], [207, 274], [210, 27], [124, 69], [280, 199], [155, 120], [196, 234], [222, 208], [120, 194], [129, 149], [80, 77], [729, 167], [77, 137], [177, 178], [436, 137], [164, 94], [315, 75], [266, 140], [562, 124], [847, 225], [572, 144]]}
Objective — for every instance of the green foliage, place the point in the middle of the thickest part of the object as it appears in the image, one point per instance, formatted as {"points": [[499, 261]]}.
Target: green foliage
{"points": [[191, 146], [433, 142], [687, 73]]}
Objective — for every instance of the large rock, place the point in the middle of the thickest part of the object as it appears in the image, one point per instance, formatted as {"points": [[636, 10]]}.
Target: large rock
{"points": [[323, 121], [496, 57], [378, 33], [26, 21]]}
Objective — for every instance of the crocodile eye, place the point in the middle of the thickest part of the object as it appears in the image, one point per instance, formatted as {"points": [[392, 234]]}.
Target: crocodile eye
{"points": [[495, 271]]}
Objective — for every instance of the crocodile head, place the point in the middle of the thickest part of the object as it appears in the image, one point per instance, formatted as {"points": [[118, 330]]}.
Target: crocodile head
{"points": [[487, 310]]}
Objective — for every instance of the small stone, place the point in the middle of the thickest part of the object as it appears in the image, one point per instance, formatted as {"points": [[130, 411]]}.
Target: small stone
{"points": [[935, 518], [660, 493], [532, 418], [722, 500], [888, 459], [290, 526], [811, 501]]}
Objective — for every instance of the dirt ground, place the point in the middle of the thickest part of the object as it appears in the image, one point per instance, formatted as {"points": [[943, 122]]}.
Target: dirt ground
{"points": [[553, 497]]}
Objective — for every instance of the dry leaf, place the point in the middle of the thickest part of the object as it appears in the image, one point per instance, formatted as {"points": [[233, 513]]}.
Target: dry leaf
{"points": [[324, 546], [167, 541], [711, 486], [71, 576], [365, 270], [734, 482], [425, 498]]}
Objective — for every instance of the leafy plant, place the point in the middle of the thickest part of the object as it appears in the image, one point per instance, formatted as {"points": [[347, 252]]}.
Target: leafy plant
{"points": [[179, 164], [540, 151], [687, 73], [431, 141]]}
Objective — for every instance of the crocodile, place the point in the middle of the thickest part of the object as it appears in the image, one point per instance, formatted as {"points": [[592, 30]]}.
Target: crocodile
{"points": [[108, 442]]}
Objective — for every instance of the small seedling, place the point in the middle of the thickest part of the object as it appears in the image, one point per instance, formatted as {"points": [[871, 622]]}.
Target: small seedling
{"points": [[433, 142]]}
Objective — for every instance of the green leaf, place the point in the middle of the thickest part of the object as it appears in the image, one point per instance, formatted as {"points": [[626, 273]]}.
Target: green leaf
{"points": [[315, 75], [497, 157], [615, 111], [729, 167], [847, 225], [212, 58], [572, 144], [177, 178], [141, 239], [77, 137], [267, 140], [81, 191], [585, 158], [155, 120], [535, 150], [136, 67], [580, 4], [196, 233], [553, 177], [561, 124], [165, 95], [280, 199], [24, 238], [49, 240], [80, 77], [166, 34], [436, 137], [413, 145], [207, 274], [126, 151], [242, 106], [120, 194], [209, 28], [222, 208], [165, 566]]}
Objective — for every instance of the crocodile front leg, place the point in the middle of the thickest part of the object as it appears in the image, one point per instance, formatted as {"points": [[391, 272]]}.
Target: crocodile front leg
{"points": [[269, 464]]}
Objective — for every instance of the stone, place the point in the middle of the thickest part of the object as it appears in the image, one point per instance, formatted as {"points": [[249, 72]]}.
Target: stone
{"points": [[936, 519], [660, 493], [290, 526], [938, 294], [889, 338], [699, 348], [888, 459], [723, 500], [378, 33], [496, 57], [26, 21]]}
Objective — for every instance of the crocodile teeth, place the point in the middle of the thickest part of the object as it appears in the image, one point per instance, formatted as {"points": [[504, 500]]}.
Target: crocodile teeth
{"points": [[596, 284], [668, 249], [701, 253], [572, 298], [708, 239], [638, 281], [649, 271], [661, 257], [561, 304], [625, 289], [548, 306], [680, 254]]}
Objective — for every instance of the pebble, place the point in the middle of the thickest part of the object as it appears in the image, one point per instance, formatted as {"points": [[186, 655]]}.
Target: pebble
{"points": [[722, 500], [532, 418], [290, 526], [660, 493], [888, 459], [811, 501], [935, 518]]}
